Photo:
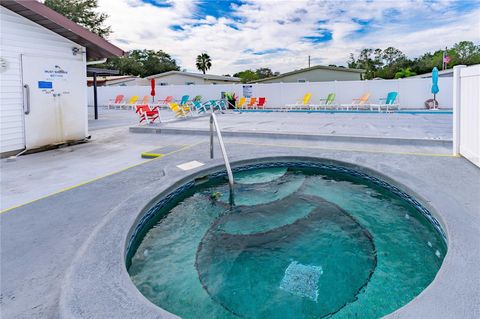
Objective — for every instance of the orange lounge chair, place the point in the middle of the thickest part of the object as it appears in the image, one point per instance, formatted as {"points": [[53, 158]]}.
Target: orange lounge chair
{"points": [[117, 102], [252, 103], [358, 103]]}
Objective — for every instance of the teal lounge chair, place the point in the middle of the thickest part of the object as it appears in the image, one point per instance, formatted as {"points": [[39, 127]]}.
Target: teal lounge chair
{"points": [[201, 108], [184, 100], [389, 104]]}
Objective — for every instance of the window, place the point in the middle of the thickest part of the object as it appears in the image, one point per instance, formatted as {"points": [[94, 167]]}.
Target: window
{"points": [[301, 81]]}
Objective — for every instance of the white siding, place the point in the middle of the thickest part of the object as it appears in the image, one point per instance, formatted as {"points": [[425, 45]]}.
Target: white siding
{"points": [[22, 36], [470, 113]]}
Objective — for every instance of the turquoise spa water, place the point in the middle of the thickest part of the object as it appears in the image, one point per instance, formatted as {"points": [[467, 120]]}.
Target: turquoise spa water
{"points": [[298, 244]]}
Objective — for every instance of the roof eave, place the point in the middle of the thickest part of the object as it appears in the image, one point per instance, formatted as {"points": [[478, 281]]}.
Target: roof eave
{"points": [[97, 47]]}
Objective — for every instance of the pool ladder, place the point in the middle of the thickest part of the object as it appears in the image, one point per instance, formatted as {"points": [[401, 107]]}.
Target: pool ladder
{"points": [[214, 124]]}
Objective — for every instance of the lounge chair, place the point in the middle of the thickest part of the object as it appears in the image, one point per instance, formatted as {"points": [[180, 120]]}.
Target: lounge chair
{"points": [[358, 103], [165, 102], [147, 114], [145, 100], [180, 111], [222, 105], [261, 103], [241, 103], [302, 103], [388, 102], [184, 100], [251, 104], [117, 102], [325, 103], [199, 107], [131, 103]]}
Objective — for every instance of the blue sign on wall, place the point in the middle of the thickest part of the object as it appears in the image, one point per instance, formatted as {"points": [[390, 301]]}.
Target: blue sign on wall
{"points": [[45, 85]]}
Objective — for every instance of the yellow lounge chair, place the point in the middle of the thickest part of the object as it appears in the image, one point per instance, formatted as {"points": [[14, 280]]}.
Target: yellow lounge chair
{"points": [[131, 103], [241, 103], [303, 103], [180, 111]]}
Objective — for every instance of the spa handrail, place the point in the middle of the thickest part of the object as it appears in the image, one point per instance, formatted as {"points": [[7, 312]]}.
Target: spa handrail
{"points": [[213, 122]]}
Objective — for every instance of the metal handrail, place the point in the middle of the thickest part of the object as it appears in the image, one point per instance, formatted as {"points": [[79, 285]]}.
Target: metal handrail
{"points": [[214, 123]]}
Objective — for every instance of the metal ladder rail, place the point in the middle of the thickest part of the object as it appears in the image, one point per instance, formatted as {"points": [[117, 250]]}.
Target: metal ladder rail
{"points": [[214, 123]]}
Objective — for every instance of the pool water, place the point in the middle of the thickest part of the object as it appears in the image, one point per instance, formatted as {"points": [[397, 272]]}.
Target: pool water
{"points": [[299, 243]]}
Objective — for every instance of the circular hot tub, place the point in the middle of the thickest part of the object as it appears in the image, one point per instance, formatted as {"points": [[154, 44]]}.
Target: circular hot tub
{"points": [[303, 240]]}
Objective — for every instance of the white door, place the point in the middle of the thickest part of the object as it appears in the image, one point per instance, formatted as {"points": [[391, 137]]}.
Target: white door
{"points": [[54, 100]]}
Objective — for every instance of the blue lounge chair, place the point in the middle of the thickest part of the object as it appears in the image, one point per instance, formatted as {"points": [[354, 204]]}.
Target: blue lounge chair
{"points": [[387, 103]]}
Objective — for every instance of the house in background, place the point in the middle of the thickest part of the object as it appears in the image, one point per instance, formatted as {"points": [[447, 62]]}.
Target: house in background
{"points": [[43, 82], [190, 78], [318, 73], [441, 74], [117, 80]]}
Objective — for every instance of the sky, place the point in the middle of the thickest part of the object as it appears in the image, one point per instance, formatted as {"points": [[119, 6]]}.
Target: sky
{"points": [[281, 34]]}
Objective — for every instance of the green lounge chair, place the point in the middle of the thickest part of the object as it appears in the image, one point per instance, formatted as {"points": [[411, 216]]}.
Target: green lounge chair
{"points": [[328, 102]]}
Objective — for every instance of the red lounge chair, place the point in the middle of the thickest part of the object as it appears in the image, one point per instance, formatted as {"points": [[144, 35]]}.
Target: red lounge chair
{"points": [[261, 102], [145, 113]]}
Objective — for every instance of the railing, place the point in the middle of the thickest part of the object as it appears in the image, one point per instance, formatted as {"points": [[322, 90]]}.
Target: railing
{"points": [[214, 123]]}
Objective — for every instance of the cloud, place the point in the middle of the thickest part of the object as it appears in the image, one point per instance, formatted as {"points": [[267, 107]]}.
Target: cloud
{"points": [[281, 34]]}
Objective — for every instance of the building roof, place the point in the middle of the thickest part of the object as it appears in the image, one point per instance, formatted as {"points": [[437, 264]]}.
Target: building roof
{"points": [[316, 67], [97, 47], [197, 75], [442, 73]]}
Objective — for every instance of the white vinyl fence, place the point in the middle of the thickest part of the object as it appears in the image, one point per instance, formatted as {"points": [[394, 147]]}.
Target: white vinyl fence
{"points": [[412, 92], [466, 102]]}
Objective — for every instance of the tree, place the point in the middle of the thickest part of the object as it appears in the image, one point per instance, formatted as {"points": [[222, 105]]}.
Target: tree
{"points": [[465, 52], [203, 62], [392, 55], [82, 12], [404, 73], [143, 63], [247, 76], [263, 73]]}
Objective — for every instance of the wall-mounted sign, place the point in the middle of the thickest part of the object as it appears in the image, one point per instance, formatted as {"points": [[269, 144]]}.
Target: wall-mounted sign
{"points": [[247, 91], [45, 85], [56, 73]]}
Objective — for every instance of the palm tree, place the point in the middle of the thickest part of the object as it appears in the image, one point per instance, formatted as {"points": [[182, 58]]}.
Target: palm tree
{"points": [[203, 62]]}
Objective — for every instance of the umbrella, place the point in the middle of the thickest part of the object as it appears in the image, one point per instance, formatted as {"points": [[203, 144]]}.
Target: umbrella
{"points": [[435, 88], [152, 93]]}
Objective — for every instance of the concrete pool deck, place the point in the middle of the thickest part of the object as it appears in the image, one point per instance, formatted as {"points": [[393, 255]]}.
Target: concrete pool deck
{"points": [[43, 239], [409, 127]]}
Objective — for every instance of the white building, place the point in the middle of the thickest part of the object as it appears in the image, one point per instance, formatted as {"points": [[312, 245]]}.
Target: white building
{"points": [[189, 78], [317, 73], [43, 58], [117, 80]]}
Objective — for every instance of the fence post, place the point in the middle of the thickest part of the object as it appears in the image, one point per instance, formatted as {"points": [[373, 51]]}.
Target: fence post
{"points": [[456, 105]]}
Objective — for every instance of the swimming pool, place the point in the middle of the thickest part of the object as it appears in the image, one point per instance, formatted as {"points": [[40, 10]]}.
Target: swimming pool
{"points": [[304, 240]]}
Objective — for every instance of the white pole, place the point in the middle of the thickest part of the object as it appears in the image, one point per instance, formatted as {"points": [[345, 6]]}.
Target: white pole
{"points": [[457, 107]]}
